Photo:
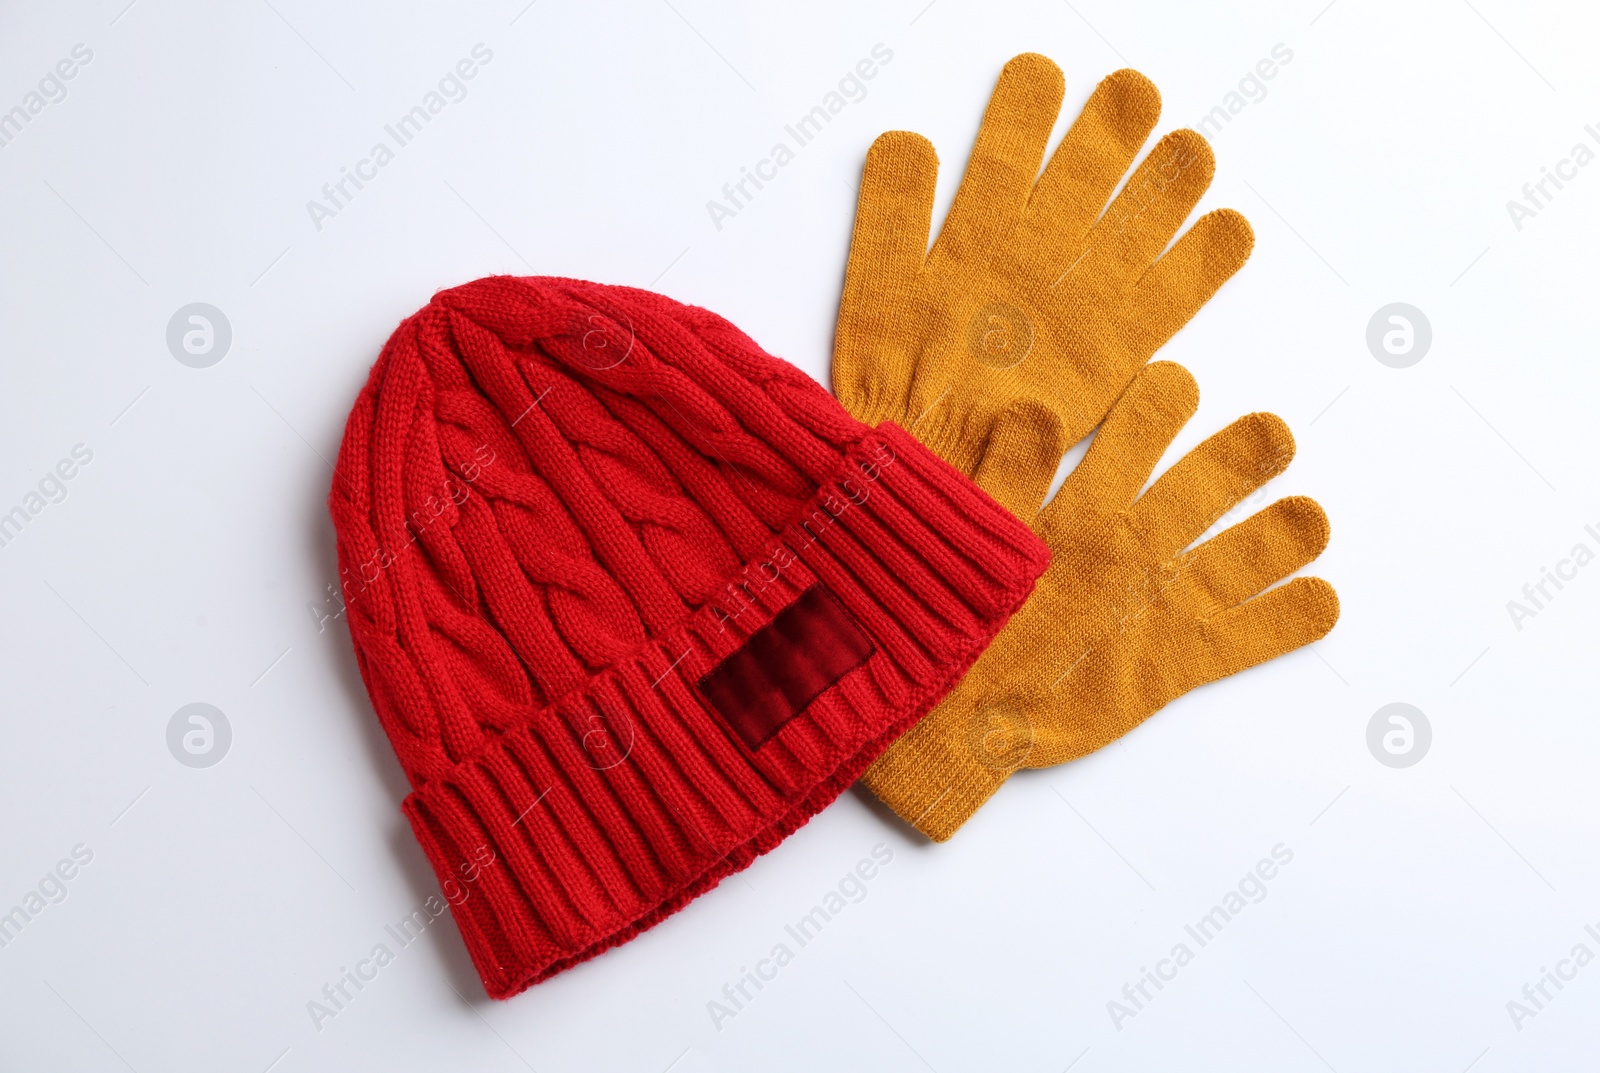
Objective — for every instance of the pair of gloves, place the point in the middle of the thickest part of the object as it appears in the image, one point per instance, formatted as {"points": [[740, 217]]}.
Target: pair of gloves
{"points": [[1030, 323]]}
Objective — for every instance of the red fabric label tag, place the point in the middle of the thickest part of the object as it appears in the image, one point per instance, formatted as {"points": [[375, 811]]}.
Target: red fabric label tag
{"points": [[785, 665]]}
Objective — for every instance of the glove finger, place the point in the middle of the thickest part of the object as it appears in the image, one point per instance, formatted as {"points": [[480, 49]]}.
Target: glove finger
{"points": [[1025, 447], [1262, 550], [1186, 276], [893, 216], [1130, 442], [1201, 486], [1092, 158], [1148, 211], [1100, 700], [1005, 159], [894, 213], [1278, 621]]}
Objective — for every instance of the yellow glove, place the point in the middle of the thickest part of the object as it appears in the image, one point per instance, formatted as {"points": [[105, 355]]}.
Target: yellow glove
{"points": [[1125, 619], [1031, 291]]}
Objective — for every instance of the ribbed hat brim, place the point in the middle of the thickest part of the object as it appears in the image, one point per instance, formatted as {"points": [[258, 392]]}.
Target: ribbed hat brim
{"points": [[610, 809]]}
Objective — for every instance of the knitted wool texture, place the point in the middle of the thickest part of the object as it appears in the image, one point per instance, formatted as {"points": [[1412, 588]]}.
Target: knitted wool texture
{"points": [[1035, 290], [1125, 620], [633, 599], [1010, 340]]}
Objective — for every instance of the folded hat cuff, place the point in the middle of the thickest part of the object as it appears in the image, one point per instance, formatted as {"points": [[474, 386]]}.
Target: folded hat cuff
{"points": [[601, 814]]}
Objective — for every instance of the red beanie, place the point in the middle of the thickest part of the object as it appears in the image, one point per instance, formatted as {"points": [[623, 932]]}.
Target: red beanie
{"points": [[634, 599]]}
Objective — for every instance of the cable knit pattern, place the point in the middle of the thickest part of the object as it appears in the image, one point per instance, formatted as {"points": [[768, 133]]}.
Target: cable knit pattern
{"points": [[559, 505]]}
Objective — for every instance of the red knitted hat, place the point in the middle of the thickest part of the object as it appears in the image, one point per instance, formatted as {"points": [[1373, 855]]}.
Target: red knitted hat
{"points": [[634, 599]]}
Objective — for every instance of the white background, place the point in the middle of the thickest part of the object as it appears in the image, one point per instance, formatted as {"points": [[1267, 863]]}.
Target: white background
{"points": [[190, 557]]}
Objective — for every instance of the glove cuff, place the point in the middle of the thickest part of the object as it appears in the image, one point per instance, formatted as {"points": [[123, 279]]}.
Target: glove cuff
{"points": [[943, 771]]}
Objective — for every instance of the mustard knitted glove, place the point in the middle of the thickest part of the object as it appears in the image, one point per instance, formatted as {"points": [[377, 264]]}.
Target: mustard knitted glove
{"points": [[1125, 619], [1031, 291]]}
